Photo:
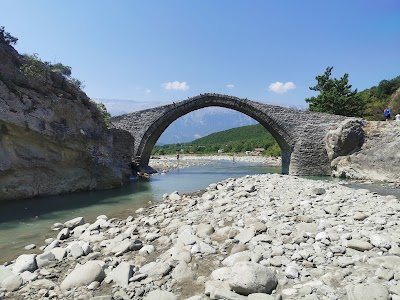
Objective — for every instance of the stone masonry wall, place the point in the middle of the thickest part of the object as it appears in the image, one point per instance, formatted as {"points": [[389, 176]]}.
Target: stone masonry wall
{"points": [[299, 133]]}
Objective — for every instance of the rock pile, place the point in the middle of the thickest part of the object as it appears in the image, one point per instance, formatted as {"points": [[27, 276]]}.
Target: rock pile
{"points": [[256, 237]]}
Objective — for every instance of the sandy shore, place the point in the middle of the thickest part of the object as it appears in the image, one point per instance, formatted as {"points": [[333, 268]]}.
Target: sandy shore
{"points": [[256, 237]]}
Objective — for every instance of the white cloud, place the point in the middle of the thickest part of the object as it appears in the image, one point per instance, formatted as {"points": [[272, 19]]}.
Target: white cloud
{"points": [[280, 88], [176, 85], [148, 91], [230, 86], [197, 136]]}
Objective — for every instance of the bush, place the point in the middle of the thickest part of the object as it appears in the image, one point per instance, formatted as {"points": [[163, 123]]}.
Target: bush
{"points": [[33, 67], [104, 113]]}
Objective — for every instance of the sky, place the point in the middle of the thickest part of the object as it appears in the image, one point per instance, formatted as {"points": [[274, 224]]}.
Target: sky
{"points": [[168, 50]]}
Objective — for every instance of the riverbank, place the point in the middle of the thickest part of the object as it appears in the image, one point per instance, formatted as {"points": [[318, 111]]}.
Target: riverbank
{"points": [[255, 237], [164, 163]]}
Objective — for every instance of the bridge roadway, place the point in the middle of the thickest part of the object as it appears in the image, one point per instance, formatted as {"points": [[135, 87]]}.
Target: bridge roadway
{"points": [[300, 134]]}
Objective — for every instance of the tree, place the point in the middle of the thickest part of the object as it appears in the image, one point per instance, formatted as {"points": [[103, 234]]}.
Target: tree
{"points": [[336, 96], [7, 37]]}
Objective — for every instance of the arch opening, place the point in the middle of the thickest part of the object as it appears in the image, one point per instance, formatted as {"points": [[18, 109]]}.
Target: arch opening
{"points": [[176, 111]]}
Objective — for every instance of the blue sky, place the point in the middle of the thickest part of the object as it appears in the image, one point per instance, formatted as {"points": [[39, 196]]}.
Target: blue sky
{"points": [[164, 51]]}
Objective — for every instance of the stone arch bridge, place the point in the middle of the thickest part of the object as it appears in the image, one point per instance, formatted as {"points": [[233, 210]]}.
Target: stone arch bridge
{"points": [[300, 134]]}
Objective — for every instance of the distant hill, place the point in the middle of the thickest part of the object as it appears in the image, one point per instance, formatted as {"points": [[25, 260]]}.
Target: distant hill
{"points": [[256, 133], [235, 140], [203, 122]]}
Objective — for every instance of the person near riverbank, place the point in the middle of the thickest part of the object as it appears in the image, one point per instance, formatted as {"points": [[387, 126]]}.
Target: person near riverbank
{"points": [[397, 117], [386, 112], [135, 170]]}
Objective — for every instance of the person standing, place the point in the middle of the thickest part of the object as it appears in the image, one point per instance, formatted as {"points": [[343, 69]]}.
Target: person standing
{"points": [[386, 112]]}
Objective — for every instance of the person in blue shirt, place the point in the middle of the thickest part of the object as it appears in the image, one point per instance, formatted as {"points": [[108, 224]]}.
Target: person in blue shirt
{"points": [[386, 112]]}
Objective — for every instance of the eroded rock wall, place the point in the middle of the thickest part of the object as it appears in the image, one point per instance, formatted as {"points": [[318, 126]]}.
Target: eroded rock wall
{"points": [[52, 137], [377, 158]]}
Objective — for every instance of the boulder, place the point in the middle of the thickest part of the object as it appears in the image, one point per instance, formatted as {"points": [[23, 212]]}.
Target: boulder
{"points": [[4, 273], [182, 272], [347, 138], [127, 245], [45, 259], [59, 253], [246, 235], [359, 245], [249, 277], [71, 224], [12, 283], [175, 196], [75, 250], [121, 274], [63, 234], [25, 262], [367, 291], [159, 294], [83, 275], [155, 269]]}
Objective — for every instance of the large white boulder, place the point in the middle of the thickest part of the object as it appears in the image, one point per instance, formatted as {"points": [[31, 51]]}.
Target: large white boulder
{"points": [[25, 262], [249, 277], [83, 275]]}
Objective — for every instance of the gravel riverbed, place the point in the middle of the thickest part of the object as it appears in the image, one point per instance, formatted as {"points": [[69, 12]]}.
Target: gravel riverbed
{"points": [[165, 163], [256, 237]]}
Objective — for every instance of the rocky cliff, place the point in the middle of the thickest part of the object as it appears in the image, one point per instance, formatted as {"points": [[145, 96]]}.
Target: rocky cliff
{"points": [[366, 150], [53, 139]]}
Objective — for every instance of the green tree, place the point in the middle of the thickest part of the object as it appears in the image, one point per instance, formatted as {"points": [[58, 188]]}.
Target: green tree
{"points": [[336, 96], [7, 37]]}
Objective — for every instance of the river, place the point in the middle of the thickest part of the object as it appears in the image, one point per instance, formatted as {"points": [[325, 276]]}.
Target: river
{"points": [[29, 221]]}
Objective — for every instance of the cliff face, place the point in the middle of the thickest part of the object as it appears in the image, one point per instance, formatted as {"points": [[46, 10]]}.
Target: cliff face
{"points": [[377, 158], [52, 137]]}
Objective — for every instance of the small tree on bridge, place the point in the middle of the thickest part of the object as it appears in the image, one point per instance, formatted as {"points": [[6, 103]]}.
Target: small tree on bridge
{"points": [[336, 96]]}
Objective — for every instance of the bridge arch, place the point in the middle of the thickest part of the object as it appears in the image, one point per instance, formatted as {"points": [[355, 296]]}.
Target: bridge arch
{"points": [[177, 110], [300, 134]]}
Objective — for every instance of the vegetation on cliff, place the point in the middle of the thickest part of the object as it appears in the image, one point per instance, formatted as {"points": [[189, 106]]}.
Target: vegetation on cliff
{"points": [[337, 97], [104, 113], [235, 140], [386, 93]]}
